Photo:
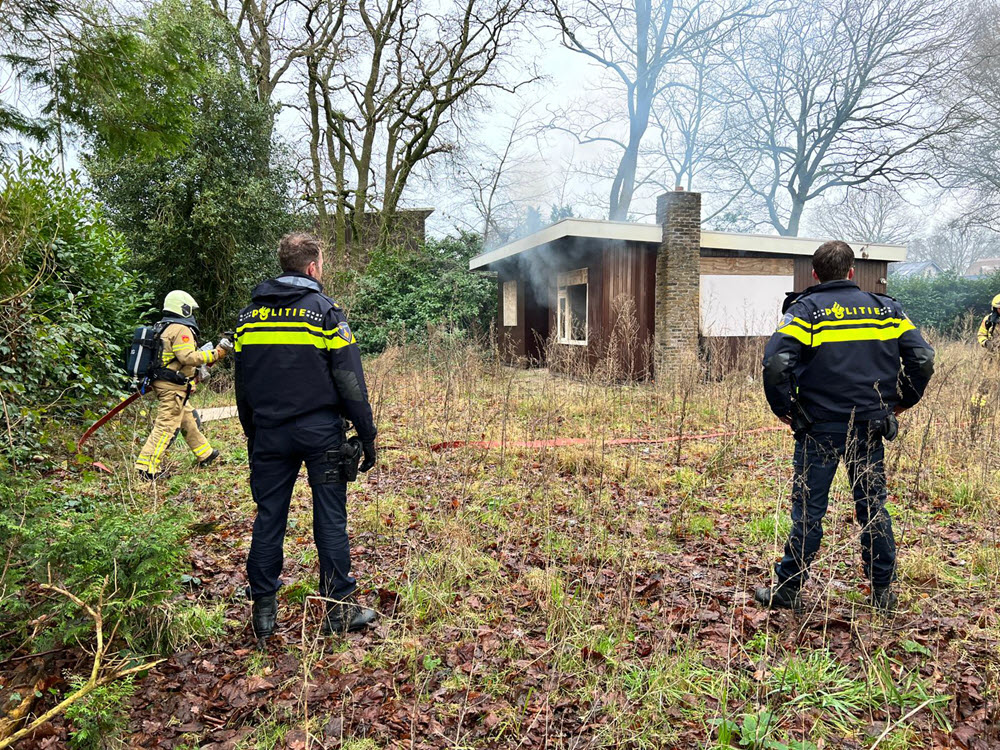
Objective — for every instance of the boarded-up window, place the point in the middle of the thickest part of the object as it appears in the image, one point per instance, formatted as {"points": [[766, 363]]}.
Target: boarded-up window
{"points": [[510, 303], [734, 305], [571, 322]]}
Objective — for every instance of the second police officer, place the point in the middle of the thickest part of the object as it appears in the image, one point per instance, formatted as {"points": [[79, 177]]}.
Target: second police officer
{"points": [[298, 375], [841, 366]]}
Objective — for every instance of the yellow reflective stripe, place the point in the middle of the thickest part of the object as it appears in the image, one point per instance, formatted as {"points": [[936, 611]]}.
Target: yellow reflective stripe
{"points": [[324, 339], [183, 347], [202, 450], [796, 333], [158, 450], [253, 338], [286, 323], [858, 334], [338, 343], [864, 321]]}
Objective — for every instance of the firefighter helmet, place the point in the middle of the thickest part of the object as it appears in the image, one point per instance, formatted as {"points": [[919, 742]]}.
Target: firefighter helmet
{"points": [[180, 303], [996, 301]]}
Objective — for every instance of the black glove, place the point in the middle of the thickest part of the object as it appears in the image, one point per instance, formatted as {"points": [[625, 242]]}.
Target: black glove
{"points": [[370, 457]]}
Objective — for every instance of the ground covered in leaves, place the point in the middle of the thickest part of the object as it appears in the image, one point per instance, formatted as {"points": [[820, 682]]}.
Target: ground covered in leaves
{"points": [[577, 596]]}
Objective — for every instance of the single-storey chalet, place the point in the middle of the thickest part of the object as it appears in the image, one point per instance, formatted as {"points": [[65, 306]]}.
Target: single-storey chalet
{"points": [[643, 296]]}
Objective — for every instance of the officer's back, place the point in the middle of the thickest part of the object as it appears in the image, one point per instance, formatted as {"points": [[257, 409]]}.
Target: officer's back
{"points": [[842, 349], [297, 355], [298, 373], [839, 368]]}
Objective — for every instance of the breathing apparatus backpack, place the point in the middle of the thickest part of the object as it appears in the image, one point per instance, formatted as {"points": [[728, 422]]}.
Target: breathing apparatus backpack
{"points": [[145, 355]]}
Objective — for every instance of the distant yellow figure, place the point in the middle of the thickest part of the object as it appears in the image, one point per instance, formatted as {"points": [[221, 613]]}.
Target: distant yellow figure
{"points": [[987, 385], [989, 324], [173, 384]]}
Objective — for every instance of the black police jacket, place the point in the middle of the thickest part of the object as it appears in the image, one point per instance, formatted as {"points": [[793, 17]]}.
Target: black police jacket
{"points": [[295, 354], [841, 352]]}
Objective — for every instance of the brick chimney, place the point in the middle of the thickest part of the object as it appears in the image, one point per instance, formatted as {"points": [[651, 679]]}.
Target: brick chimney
{"points": [[678, 277]]}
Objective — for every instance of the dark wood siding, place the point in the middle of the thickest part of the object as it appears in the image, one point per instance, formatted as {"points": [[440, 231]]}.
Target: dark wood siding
{"points": [[525, 342], [626, 313], [870, 275]]}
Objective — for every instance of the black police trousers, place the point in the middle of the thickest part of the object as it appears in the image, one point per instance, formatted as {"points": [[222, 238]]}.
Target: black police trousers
{"points": [[276, 455], [817, 456]]}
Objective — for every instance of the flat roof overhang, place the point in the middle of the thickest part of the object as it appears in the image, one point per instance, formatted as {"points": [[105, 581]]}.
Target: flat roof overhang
{"points": [[651, 234]]}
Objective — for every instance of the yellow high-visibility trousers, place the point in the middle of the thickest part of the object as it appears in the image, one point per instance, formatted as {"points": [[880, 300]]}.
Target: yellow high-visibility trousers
{"points": [[173, 414]]}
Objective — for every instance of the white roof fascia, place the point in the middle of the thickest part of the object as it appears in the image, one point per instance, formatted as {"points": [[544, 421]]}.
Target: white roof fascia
{"points": [[765, 243], [593, 228], [652, 234]]}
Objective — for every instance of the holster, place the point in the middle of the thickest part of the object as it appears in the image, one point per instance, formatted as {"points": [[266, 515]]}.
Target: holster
{"points": [[343, 462], [801, 421]]}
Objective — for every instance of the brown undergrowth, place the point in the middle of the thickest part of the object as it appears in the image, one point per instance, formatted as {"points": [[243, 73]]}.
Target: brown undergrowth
{"points": [[584, 596]]}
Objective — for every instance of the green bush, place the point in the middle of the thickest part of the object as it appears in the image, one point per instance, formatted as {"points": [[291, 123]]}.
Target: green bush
{"points": [[99, 716], [945, 302], [92, 547], [68, 302], [403, 293]]}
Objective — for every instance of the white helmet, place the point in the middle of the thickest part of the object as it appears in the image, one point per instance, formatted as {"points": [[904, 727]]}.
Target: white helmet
{"points": [[180, 303]]}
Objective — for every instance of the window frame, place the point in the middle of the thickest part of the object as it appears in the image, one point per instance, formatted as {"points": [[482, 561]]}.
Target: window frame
{"points": [[564, 317]]}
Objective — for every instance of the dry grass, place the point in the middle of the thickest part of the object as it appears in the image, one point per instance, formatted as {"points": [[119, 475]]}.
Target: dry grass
{"points": [[599, 596]]}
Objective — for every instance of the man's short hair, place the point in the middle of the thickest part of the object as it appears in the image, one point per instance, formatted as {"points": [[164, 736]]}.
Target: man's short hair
{"points": [[297, 250], [833, 261]]}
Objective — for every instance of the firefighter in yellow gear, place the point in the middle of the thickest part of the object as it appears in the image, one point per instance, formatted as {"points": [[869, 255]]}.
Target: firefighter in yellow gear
{"points": [[987, 385], [174, 382], [989, 324]]}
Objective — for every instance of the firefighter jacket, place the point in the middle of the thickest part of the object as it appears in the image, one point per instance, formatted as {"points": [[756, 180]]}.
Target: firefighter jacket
{"points": [[987, 327], [840, 353], [180, 351], [296, 354]]}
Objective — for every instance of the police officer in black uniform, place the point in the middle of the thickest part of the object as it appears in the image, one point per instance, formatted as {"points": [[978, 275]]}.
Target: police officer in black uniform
{"points": [[841, 366], [298, 374]]}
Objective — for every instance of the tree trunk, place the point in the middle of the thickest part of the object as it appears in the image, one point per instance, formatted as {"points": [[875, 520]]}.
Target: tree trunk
{"points": [[319, 194], [791, 229]]}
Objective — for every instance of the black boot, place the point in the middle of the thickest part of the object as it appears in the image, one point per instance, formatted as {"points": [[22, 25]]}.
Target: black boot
{"points": [[782, 596], [209, 459], [884, 600], [265, 617], [347, 617]]}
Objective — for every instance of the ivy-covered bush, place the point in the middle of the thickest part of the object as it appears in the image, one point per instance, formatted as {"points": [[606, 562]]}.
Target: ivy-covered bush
{"points": [[68, 302], [404, 293]]}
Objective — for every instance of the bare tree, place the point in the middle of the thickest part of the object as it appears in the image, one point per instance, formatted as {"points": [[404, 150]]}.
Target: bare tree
{"points": [[691, 124], [274, 35], [499, 178], [835, 94], [871, 214], [970, 158], [956, 245], [636, 44], [392, 105]]}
